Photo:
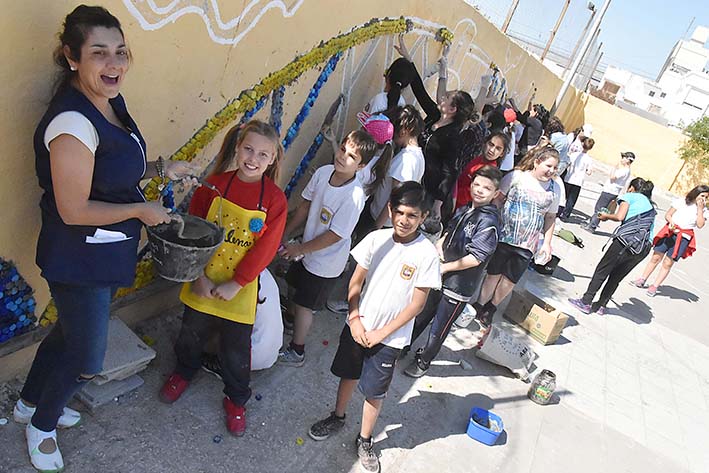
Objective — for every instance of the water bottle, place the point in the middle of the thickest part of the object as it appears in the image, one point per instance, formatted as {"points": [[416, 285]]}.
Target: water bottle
{"points": [[541, 257]]}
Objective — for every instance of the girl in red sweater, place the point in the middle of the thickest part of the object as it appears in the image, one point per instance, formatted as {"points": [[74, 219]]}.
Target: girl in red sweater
{"points": [[223, 299], [496, 147]]}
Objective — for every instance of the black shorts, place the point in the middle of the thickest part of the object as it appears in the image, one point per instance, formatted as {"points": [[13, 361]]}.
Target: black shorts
{"points": [[509, 261], [310, 291], [373, 367], [666, 246]]}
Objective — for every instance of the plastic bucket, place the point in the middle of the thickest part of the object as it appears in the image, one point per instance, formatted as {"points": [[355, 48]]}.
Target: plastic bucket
{"points": [[183, 259], [484, 426]]}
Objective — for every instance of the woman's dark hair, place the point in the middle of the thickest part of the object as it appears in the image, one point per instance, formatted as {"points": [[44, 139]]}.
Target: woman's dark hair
{"points": [[694, 193], [542, 114], [497, 121], [406, 119], [554, 126], [410, 194], [236, 135], [505, 143], [490, 172], [642, 186], [464, 105], [77, 26], [400, 74]]}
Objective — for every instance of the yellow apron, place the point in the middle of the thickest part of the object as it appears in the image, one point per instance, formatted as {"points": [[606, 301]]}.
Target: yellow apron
{"points": [[239, 224]]}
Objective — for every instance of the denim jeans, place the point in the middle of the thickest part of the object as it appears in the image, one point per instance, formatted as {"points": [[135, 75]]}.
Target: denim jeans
{"points": [[71, 354], [234, 351], [603, 201]]}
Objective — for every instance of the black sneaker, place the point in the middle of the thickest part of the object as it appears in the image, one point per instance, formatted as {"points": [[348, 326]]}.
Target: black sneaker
{"points": [[324, 428], [211, 364], [416, 369], [368, 458]]}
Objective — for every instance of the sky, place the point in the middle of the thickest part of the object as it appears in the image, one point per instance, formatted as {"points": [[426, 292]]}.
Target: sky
{"points": [[637, 35]]}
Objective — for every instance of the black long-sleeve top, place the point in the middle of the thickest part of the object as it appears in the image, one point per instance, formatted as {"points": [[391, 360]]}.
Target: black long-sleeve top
{"points": [[441, 146]]}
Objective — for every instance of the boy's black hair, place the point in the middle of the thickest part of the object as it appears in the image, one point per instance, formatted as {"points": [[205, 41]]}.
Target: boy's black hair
{"points": [[490, 172], [410, 194]]}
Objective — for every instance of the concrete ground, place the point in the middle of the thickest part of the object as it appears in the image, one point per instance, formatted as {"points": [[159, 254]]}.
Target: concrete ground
{"points": [[633, 396]]}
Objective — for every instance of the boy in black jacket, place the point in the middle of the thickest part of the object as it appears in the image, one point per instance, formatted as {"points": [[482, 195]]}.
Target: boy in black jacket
{"points": [[467, 244]]}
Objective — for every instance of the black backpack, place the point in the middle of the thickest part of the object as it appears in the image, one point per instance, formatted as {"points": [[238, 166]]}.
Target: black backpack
{"points": [[634, 233]]}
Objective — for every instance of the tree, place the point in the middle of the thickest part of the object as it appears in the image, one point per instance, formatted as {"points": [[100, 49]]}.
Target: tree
{"points": [[696, 148]]}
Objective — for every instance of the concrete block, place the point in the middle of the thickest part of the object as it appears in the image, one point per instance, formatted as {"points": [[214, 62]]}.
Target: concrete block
{"points": [[95, 396], [125, 353]]}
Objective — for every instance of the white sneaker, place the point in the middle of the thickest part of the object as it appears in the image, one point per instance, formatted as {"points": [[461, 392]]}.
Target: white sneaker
{"points": [[37, 441], [23, 414]]}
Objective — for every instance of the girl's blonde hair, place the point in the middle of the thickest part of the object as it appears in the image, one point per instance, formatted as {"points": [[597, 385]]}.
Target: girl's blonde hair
{"points": [[235, 136], [537, 155]]}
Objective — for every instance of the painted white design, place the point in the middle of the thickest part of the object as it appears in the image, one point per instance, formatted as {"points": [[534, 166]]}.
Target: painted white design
{"points": [[153, 17]]}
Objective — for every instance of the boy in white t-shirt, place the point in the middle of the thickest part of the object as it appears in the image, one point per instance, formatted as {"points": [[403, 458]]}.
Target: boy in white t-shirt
{"points": [[333, 200], [407, 165], [400, 266], [579, 167]]}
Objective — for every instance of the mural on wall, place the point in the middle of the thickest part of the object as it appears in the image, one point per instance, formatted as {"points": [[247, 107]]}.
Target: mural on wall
{"points": [[153, 17], [470, 68]]}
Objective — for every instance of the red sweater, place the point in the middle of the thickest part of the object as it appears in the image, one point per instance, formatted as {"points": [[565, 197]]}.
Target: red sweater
{"points": [[246, 195], [465, 179]]}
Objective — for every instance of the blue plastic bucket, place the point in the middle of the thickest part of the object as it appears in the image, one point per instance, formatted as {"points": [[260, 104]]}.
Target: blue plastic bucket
{"points": [[484, 426]]}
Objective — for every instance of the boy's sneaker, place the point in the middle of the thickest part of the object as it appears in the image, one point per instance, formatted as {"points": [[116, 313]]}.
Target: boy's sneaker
{"points": [[43, 449], [416, 369], [290, 357], [338, 307], [578, 303], [588, 228], [324, 428], [651, 291], [211, 364], [368, 459], [640, 282], [173, 388], [235, 417], [22, 413]]}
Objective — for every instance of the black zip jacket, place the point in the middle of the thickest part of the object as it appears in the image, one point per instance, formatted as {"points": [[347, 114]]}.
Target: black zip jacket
{"points": [[471, 231]]}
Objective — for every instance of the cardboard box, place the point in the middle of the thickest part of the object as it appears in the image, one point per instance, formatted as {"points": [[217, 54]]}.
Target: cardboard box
{"points": [[543, 322]]}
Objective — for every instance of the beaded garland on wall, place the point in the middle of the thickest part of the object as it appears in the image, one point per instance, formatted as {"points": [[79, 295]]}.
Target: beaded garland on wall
{"points": [[17, 303]]}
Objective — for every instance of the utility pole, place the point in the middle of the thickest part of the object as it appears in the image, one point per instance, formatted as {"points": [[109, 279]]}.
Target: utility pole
{"points": [[593, 71], [511, 12], [591, 7], [574, 67], [556, 28]]}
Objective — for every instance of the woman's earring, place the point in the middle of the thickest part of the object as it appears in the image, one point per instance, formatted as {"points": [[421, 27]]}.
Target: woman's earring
{"points": [[72, 68]]}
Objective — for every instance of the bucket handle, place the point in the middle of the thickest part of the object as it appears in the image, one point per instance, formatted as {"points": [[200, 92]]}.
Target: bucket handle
{"points": [[221, 197]]}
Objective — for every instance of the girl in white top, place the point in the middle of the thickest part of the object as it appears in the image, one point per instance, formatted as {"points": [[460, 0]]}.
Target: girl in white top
{"points": [[682, 218], [615, 185], [407, 165], [396, 78], [579, 168]]}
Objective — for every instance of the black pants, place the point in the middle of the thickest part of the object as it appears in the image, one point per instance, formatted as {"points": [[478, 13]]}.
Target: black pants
{"points": [[615, 264], [443, 317], [234, 351], [603, 201], [426, 315], [572, 195]]}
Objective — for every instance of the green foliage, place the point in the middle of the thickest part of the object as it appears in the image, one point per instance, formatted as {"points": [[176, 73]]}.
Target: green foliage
{"points": [[696, 148]]}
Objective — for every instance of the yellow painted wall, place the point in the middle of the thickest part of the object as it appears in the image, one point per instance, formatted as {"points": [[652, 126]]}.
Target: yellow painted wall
{"points": [[655, 146], [182, 75]]}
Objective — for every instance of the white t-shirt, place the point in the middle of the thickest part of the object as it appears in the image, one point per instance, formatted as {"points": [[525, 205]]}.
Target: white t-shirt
{"points": [[393, 271], [75, 124], [576, 172], [508, 161], [365, 175], [408, 165], [685, 216], [617, 182], [267, 334], [379, 103], [331, 208], [575, 144]]}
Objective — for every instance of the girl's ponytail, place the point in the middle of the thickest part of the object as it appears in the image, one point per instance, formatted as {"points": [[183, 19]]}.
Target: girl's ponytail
{"points": [[393, 95], [399, 76], [380, 169]]}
